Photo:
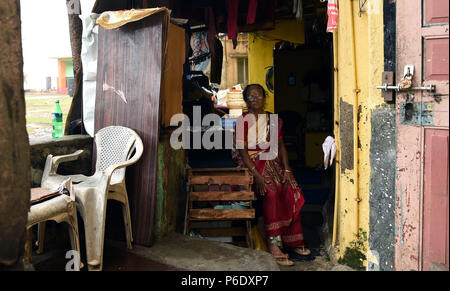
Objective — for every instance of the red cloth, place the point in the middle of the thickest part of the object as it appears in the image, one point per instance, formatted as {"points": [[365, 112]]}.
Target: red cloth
{"points": [[283, 199], [333, 11], [251, 16], [233, 6], [210, 19]]}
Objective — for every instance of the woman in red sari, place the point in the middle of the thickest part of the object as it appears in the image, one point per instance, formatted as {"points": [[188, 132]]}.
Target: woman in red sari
{"points": [[257, 134]]}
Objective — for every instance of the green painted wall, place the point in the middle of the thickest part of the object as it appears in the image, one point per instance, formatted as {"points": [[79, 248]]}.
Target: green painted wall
{"points": [[69, 69], [170, 189]]}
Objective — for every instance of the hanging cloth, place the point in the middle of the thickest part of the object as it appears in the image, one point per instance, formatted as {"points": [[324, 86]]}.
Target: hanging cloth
{"points": [[216, 62], [233, 11], [332, 15], [297, 9], [212, 32], [251, 16], [200, 51], [329, 151]]}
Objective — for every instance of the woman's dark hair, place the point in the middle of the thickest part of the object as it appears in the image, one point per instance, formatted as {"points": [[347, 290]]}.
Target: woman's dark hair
{"points": [[248, 87]]}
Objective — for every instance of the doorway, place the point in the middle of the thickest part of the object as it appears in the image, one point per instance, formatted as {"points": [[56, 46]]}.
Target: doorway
{"points": [[303, 98]]}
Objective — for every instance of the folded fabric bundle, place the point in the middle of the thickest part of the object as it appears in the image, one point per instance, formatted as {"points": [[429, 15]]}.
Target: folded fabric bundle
{"points": [[40, 194]]}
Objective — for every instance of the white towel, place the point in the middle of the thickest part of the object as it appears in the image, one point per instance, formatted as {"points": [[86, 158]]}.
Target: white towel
{"points": [[329, 150]]}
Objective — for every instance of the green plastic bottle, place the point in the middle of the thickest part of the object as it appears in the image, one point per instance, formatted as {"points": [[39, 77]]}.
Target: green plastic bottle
{"points": [[57, 121]]}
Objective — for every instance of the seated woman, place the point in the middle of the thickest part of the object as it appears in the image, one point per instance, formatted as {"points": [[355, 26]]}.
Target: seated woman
{"points": [[273, 182]]}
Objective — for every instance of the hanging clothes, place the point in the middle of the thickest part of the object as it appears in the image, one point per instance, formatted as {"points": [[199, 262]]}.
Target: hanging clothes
{"points": [[212, 31], [216, 62], [200, 47], [332, 11], [215, 46], [251, 15], [297, 9], [232, 23], [329, 151]]}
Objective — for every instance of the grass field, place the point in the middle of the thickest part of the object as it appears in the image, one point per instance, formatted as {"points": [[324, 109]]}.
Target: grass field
{"points": [[39, 109]]}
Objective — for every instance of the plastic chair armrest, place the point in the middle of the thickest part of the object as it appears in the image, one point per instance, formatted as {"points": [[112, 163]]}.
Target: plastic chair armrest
{"points": [[56, 160]]}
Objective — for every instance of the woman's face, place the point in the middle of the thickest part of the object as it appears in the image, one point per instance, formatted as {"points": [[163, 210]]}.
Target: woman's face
{"points": [[255, 99]]}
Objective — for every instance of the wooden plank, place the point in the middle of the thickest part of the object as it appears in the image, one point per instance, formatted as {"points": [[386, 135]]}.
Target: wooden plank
{"points": [[221, 173], [172, 87], [218, 232], [222, 196], [221, 214], [129, 62], [229, 180], [217, 170]]}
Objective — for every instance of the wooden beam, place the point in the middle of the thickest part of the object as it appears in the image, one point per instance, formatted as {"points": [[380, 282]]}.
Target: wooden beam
{"points": [[222, 196], [219, 232], [221, 214]]}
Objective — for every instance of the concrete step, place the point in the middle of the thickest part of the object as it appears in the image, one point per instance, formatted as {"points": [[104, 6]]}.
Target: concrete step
{"points": [[197, 254]]}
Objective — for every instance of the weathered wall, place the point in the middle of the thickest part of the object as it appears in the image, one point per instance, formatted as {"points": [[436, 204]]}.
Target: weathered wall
{"points": [[370, 176], [383, 151], [422, 40], [14, 147], [260, 51], [382, 184], [171, 189], [41, 148]]}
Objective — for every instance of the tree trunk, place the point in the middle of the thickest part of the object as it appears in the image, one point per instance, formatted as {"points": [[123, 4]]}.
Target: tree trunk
{"points": [[74, 116], [15, 173]]}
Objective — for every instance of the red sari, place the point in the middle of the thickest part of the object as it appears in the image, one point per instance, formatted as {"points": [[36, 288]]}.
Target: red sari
{"points": [[283, 199]]}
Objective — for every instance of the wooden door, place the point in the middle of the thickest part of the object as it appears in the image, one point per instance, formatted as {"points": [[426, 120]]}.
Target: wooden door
{"points": [[422, 135], [435, 223]]}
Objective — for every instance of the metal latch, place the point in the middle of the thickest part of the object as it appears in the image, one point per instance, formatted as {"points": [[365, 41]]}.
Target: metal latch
{"points": [[405, 83], [430, 88]]}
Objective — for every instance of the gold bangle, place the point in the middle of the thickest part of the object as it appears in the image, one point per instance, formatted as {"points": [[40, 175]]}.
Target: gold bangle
{"points": [[251, 170], [288, 171]]}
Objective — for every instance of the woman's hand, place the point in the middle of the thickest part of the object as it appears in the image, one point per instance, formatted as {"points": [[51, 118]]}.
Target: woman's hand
{"points": [[260, 184], [288, 175]]}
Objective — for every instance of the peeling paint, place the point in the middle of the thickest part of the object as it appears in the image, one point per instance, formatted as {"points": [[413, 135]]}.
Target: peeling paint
{"points": [[346, 135], [417, 113]]}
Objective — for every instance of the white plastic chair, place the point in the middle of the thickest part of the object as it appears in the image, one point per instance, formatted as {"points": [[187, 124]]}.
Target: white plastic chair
{"points": [[115, 145], [61, 208]]}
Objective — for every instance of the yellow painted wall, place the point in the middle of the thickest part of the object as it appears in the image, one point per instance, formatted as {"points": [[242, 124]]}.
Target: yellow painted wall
{"points": [[260, 51], [368, 36]]}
